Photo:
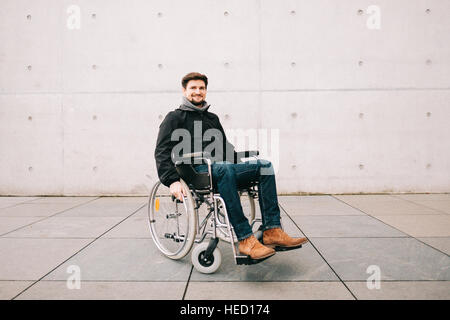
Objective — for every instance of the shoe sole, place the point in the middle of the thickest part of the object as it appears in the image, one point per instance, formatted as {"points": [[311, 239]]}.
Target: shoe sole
{"points": [[286, 248], [247, 260]]}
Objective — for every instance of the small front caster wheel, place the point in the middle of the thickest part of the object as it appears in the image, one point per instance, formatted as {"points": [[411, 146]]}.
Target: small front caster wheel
{"points": [[205, 264]]}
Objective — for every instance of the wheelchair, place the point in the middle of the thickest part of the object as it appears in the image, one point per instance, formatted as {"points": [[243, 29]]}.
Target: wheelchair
{"points": [[176, 225]]}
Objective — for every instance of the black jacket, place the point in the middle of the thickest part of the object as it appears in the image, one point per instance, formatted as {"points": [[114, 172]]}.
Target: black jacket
{"points": [[187, 119]]}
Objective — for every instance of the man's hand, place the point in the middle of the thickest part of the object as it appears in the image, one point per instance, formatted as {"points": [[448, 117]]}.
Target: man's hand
{"points": [[177, 190]]}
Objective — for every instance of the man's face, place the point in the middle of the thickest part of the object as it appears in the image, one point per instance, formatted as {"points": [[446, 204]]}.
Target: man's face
{"points": [[195, 91]]}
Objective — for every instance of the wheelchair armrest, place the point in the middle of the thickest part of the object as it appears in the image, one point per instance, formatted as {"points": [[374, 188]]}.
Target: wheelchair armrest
{"points": [[247, 154], [188, 158], [202, 154]]}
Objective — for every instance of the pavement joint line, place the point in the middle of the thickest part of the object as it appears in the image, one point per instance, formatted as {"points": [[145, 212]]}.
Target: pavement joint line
{"points": [[47, 217], [320, 254], [397, 229], [187, 283], [20, 203], [87, 245], [422, 205]]}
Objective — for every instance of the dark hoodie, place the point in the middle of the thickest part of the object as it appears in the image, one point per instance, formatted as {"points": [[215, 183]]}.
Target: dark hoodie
{"points": [[191, 118]]}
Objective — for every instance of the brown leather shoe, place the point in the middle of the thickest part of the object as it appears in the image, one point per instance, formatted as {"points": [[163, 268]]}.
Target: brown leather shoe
{"points": [[253, 248], [278, 239]]}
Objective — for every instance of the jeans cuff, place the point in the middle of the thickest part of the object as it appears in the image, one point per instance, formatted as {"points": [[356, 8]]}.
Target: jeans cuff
{"points": [[271, 226], [245, 237]]}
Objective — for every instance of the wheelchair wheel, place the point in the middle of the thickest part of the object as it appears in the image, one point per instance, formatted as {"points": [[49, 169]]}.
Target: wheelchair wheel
{"points": [[205, 265], [173, 224], [248, 206]]}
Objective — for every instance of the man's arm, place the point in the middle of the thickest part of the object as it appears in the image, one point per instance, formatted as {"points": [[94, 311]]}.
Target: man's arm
{"points": [[163, 152]]}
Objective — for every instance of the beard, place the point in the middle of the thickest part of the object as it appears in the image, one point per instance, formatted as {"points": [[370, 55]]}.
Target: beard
{"points": [[195, 103]]}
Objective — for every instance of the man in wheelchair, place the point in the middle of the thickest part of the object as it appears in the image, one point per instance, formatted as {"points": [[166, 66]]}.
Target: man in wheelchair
{"points": [[193, 122]]}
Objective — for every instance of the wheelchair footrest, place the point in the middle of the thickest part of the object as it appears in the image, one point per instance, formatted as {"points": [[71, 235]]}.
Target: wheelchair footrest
{"points": [[246, 260]]}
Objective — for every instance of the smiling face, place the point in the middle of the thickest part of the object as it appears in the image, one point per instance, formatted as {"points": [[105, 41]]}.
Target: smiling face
{"points": [[195, 92]]}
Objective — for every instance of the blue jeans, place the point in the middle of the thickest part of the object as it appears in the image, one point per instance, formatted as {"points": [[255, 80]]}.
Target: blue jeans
{"points": [[228, 177]]}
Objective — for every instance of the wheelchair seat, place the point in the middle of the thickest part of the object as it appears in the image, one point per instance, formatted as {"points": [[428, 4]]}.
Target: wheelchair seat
{"points": [[201, 181]]}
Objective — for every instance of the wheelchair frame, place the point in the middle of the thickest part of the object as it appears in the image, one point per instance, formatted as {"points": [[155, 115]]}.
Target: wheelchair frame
{"points": [[206, 254]]}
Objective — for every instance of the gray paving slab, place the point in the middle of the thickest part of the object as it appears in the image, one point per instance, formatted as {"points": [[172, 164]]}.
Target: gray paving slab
{"points": [[134, 227], [31, 259], [443, 206], [386, 205], [10, 289], [425, 197], [303, 264], [121, 200], [118, 290], [397, 258], [315, 205], [99, 209], [345, 226], [8, 224], [124, 260], [365, 197], [420, 225], [12, 201], [67, 227], [142, 212], [440, 243], [36, 210], [69, 200], [15, 199], [402, 290], [290, 290]]}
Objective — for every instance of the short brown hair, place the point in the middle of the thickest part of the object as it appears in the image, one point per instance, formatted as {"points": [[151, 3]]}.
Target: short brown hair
{"points": [[194, 76]]}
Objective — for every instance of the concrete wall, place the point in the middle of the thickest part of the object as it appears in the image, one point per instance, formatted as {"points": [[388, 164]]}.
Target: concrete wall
{"points": [[355, 98]]}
